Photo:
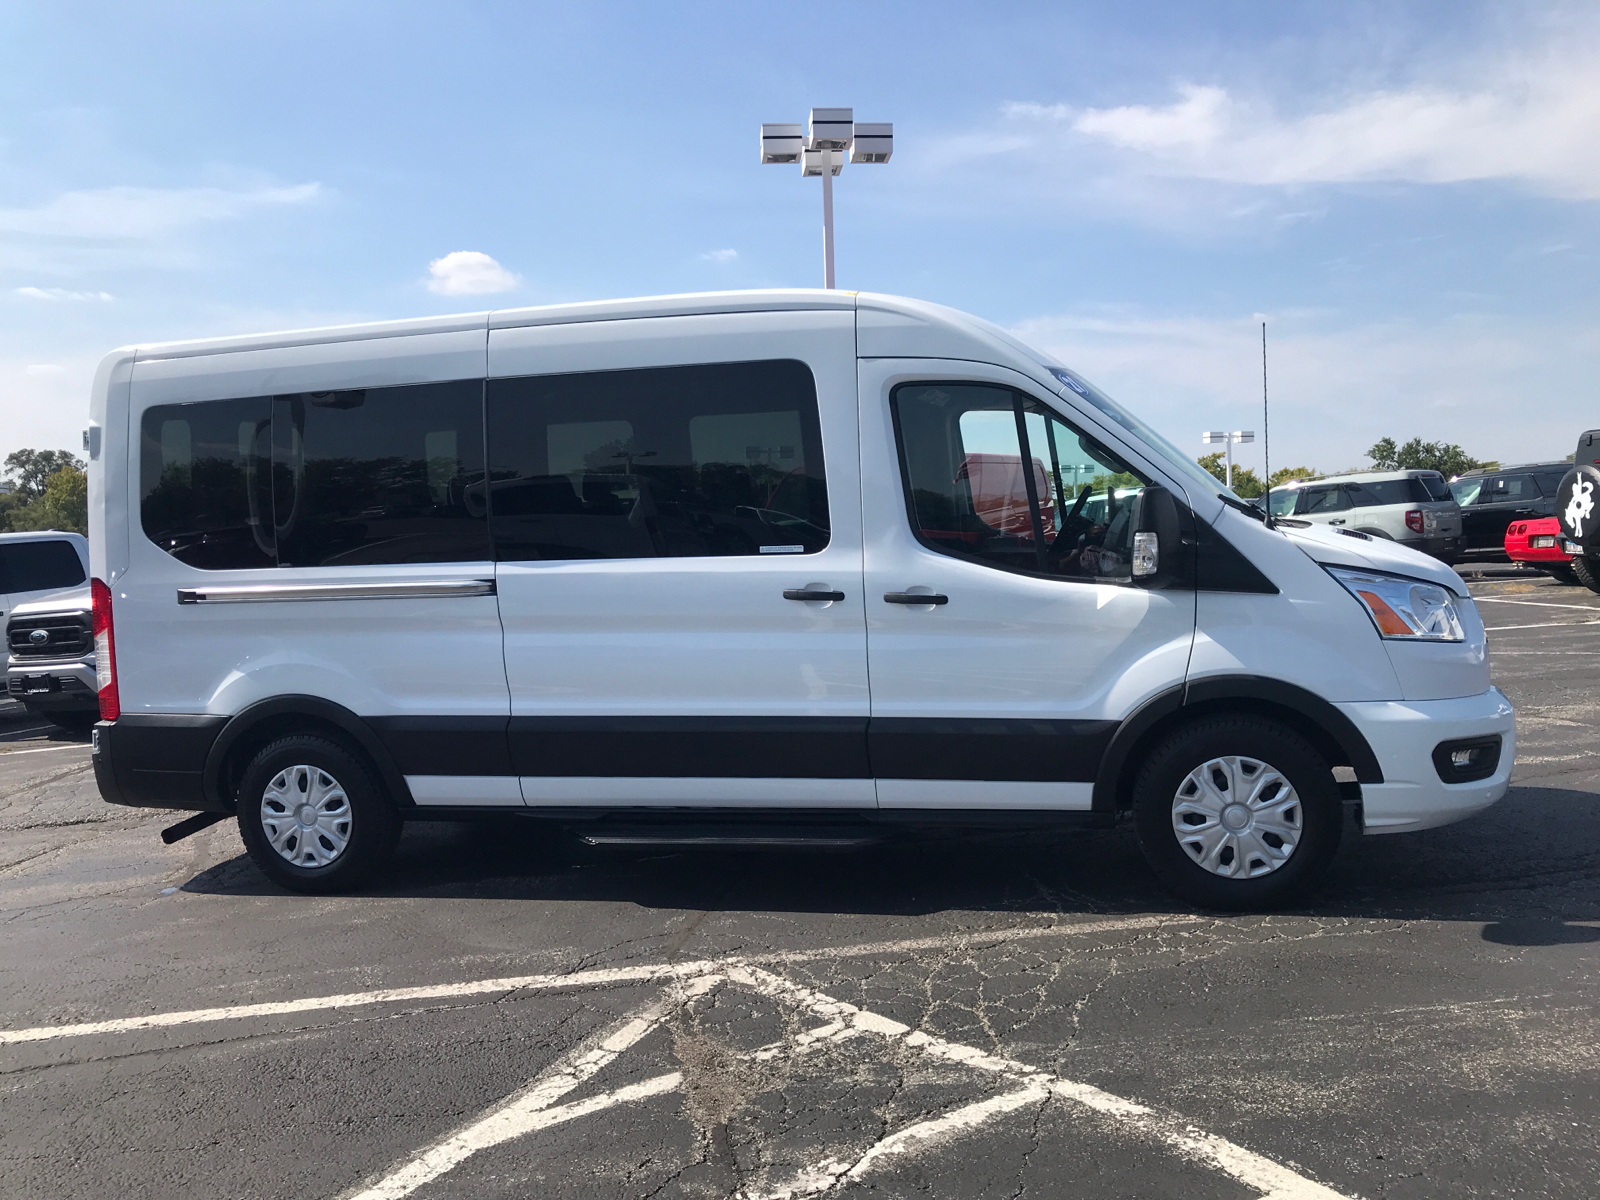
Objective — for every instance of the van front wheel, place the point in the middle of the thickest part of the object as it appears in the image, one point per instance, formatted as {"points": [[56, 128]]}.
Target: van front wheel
{"points": [[312, 816], [1237, 813]]}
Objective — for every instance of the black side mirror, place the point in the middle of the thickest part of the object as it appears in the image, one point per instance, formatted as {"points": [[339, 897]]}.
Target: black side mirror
{"points": [[1160, 552]]}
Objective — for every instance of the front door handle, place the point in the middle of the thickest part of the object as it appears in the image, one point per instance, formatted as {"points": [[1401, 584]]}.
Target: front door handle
{"points": [[915, 598], [808, 594], [1340, 521]]}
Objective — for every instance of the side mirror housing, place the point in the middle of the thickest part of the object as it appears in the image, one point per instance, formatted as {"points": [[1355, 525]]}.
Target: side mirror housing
{"points": [[1160, 551]]}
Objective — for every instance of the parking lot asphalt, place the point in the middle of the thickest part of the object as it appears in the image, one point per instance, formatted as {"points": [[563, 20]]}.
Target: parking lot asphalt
{"points": [[506, 1015]]}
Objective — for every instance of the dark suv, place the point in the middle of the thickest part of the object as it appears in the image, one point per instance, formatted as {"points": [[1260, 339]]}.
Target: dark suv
{"points": [[1491, 500]]}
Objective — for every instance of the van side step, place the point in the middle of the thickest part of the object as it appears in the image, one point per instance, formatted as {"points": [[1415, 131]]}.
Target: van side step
{"points": [[754, 834]]}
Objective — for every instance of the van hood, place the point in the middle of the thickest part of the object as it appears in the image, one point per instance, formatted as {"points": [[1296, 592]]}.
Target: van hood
{"points": [[70, 600], [1332, 548]]}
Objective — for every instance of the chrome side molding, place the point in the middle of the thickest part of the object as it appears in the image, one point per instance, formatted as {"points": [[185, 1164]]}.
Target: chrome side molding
{"points": [[253, 593]]}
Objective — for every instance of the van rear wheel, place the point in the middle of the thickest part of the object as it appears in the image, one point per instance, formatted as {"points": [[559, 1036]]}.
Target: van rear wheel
{"points": [[313, 817], [1238, 813]]}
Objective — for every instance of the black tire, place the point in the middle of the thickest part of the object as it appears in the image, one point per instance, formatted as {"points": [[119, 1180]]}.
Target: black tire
{"points": [[370, 827], [1254, 739], [1561, 573], [1586, 572], [76, 722]]}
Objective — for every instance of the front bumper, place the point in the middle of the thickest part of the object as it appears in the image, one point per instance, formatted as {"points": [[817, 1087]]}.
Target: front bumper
{"points": [[54, 686], [1403, 735]]}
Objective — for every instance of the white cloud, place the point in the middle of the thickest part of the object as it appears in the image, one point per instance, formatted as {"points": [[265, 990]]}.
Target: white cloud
{"points": [[136, 212], [43, 369], [55, 293], [468, 273], [1337, 388], [720, 256], [1532, 118]]}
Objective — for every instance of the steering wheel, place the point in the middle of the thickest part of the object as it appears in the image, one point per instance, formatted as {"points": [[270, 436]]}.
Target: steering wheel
{"points": [[1064, 541]]}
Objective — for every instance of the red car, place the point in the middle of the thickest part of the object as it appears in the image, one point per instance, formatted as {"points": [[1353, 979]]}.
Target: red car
{"points": [[1537, 542]]}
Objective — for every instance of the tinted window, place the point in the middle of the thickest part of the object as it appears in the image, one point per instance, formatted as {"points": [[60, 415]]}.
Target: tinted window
{"points": [[384, 475], [995, 477], [1324, 500], [1435, 486], [206, 495], [1375, 493], [669, 462], [39, 566], [381, 475], [1549, 481], [1506, 489]]}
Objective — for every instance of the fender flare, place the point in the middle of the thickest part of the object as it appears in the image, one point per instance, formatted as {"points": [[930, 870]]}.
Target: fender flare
{"points": [[1338, 728], [255, 715]]}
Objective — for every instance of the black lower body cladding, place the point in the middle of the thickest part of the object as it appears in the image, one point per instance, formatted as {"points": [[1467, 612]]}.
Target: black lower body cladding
{"points": [[151, 760]]}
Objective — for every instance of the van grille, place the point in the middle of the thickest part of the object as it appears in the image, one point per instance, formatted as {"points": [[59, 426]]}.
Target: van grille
{"points": [[66, 636]]}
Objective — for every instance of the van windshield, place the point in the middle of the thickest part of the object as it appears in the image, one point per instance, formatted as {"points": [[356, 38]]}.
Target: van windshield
{"points": [[1195, 477]]}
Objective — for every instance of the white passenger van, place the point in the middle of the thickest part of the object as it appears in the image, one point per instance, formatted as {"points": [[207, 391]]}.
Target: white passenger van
{"points": [[799, 557]]}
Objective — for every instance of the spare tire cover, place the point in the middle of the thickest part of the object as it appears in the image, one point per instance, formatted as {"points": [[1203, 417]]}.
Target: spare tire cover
{"points": [[1578, 506]]}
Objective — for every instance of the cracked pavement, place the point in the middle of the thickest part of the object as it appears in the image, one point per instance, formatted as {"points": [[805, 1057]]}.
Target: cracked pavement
{"points": [[951, 1015]]}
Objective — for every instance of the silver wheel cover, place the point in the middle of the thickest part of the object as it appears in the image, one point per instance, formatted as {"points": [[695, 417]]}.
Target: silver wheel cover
{"points": [[1237, 817], [306, 816]]}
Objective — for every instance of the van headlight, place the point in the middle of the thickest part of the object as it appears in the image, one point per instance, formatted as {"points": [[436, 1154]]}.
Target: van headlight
{"points": [[1404, 608]]}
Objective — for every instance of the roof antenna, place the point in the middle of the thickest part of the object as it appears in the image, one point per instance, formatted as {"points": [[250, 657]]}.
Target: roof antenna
{"points": [[1266, 441]]}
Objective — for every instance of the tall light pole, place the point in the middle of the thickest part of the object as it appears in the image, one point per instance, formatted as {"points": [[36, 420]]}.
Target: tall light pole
{"points": [[821, 152], [1229, 440]]}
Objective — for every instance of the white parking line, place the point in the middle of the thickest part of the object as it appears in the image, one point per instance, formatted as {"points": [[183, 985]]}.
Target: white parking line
{"points": [[600, 977], [43, 749], [1535, 603], [1548, 625], [531, 1109]]}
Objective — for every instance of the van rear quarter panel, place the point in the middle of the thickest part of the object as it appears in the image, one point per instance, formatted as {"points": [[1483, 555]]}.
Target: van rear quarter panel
{"points": [[425, 656], [108, 465]]}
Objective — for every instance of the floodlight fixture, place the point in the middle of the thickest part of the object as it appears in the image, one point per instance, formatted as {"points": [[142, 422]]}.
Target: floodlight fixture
{"points": [[782, 143], [873, 142], [1229, 439], [834, 132], [831, 128]]}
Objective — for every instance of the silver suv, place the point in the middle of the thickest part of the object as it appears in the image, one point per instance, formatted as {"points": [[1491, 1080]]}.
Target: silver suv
{"points": [[1411, 507]]}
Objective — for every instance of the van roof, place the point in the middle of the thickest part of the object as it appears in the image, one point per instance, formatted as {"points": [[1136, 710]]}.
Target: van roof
{"points": [[890, 321]]}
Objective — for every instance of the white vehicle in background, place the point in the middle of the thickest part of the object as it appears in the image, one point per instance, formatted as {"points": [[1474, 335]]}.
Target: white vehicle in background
{"points": [[1414, 508], [741, 562]]}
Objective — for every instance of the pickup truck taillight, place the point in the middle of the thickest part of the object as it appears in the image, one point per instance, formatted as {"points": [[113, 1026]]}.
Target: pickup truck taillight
{"points": [[105, 651], [1414, 520]]}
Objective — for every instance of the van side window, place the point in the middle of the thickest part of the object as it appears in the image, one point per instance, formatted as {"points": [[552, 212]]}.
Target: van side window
{"points": [[205, 488], [995, 477], [665, 462], [48, 564], [379, 475]]}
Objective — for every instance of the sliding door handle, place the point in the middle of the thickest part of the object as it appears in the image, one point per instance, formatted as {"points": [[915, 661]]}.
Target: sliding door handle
{"points": [[807, 594], [915, 598]]}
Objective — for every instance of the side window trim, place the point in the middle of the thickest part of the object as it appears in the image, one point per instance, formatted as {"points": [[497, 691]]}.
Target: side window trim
{"points": [[1019, 402]]}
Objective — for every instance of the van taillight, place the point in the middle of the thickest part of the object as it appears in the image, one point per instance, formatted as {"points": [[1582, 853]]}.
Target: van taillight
{"points": [[1414, 520], [105, 651]]}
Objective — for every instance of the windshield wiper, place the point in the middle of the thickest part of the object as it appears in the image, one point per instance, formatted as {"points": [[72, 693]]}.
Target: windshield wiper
{"points": [[1249, 510]]}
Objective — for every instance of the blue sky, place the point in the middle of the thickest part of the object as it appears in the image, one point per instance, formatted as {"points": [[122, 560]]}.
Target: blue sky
{"points": [[1408, 193]]}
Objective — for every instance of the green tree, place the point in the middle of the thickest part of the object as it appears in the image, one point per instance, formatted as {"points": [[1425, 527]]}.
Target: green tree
{"points": [[1285, 474], [1417, 455], [63, 504], [30, 470], [1246, 483]]}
